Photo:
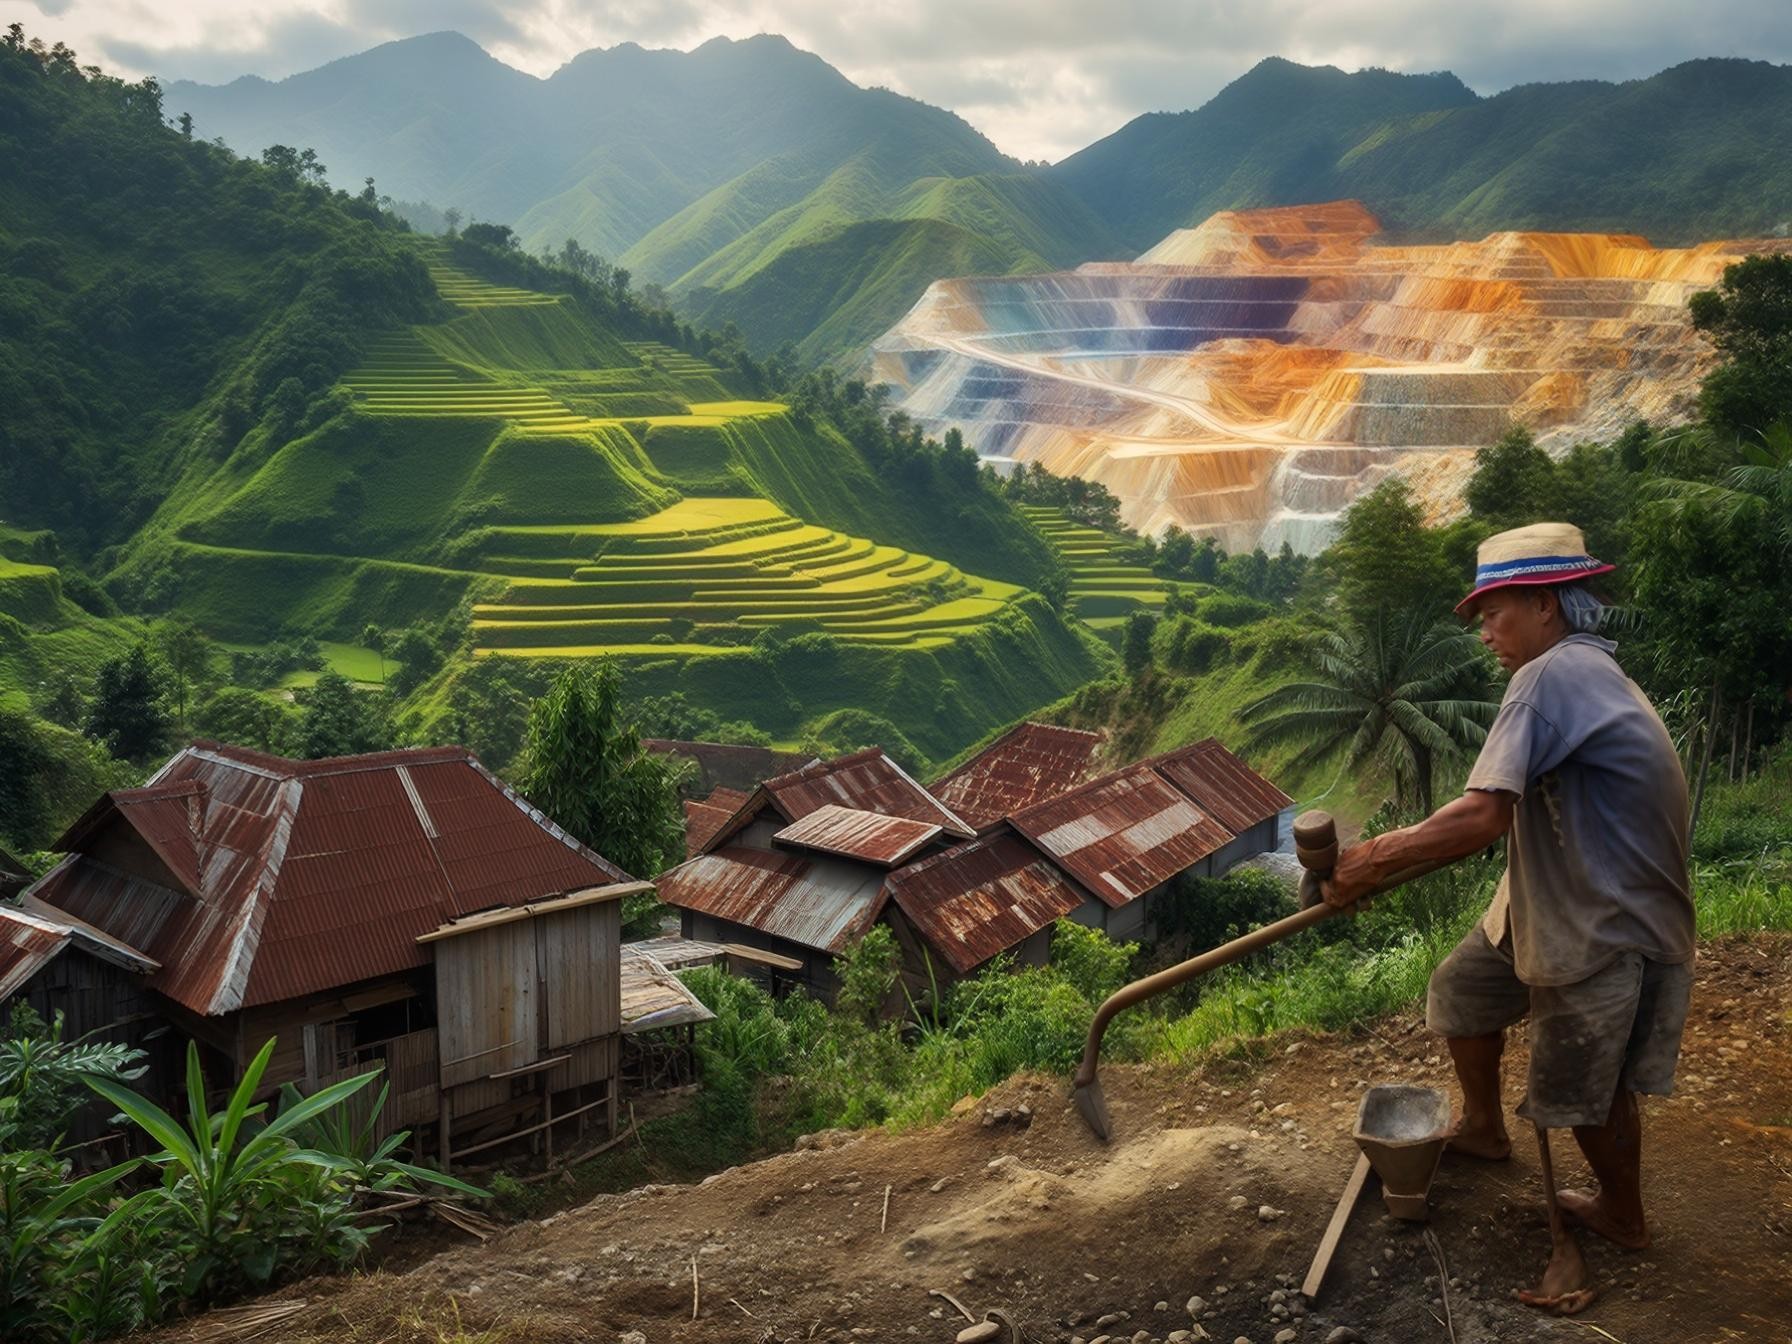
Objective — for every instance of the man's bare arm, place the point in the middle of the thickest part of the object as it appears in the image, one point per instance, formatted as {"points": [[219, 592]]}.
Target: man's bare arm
{"points": [[1454, 831]]}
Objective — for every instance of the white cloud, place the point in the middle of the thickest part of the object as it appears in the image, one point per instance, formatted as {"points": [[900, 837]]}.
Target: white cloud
{"points": [[1040, 79]]}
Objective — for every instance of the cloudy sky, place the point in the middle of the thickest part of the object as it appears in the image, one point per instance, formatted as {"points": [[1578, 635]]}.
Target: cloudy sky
{"points": [[1039, 77]]}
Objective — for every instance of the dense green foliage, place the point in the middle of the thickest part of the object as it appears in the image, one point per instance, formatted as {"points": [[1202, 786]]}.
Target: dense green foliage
{"points": [[1396, 692], [583, 764], [230, 1200], [160, 298]]}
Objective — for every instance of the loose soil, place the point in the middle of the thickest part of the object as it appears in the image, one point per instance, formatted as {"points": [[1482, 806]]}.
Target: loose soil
{"points": [[1218, 1183]]}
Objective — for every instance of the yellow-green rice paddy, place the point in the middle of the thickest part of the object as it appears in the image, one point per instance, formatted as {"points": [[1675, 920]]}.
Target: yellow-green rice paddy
{"points": [[1103, 588]]}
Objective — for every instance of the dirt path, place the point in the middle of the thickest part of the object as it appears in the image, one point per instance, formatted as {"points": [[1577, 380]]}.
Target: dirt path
{"points": [[1033, 1216]]}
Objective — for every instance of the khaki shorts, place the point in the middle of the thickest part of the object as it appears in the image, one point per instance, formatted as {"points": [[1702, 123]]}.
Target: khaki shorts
{"points": [[1618, 1028]]}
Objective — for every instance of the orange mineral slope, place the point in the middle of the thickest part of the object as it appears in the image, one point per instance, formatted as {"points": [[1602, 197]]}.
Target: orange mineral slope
{"points": [[1247, 378]]}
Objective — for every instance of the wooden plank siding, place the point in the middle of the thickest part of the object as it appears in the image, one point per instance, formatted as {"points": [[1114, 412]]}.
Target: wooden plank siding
{"points": [[580, 953], [486, 1002], [409, 1063]]}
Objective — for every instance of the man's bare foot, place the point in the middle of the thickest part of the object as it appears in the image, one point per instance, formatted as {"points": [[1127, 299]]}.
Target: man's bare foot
{"points": [[1567, 1283], [1589, 1211], [1489, 1143]]}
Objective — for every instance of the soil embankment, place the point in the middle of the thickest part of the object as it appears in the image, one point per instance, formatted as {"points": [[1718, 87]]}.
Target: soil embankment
{"points": [[1218, 1185]]}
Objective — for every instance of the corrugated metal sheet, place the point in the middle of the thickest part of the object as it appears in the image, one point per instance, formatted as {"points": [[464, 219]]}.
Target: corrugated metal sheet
{"points": [[888, 841], [1123, 834], [1235, 795], [817, 902], [701, 822], [868, 781], [313, 874], [1026, 765], [653, 997], [31, 939], [979, 899], [27, 945]]}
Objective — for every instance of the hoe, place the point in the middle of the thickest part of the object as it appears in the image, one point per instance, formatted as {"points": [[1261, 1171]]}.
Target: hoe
{"points": [[1316, 846]]}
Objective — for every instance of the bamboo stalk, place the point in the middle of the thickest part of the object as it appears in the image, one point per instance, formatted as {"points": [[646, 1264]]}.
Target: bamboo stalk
{"points": [[884, 1224]]}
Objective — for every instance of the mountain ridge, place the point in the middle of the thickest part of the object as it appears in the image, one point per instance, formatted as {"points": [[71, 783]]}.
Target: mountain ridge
{"points": [[698, 170]]}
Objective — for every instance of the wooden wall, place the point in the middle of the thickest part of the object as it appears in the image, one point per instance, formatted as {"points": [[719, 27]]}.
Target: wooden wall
{"points": [[513, 994]]}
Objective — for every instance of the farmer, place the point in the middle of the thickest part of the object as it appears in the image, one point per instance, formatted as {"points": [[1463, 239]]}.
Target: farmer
{"points": [[1590, 933]]}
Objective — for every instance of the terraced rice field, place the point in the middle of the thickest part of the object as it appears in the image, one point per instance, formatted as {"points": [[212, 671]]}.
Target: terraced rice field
{"points": [[1103, 589], [402, 376], [466, 290], [705, 566]]}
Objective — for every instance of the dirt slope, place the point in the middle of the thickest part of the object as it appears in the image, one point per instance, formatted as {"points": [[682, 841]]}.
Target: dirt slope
{"points": [[1035, 1217]]}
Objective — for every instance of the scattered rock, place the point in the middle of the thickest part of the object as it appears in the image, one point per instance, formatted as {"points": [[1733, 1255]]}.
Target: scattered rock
{"points": [[1160, 1306], [632, 1337], [1287, 1336], [1001, 1164], [1196, 1305], [1238, 1203], [1112, 1318], [1267, 1213], [1343, 1335], [981, 1333], [938, 1185]]}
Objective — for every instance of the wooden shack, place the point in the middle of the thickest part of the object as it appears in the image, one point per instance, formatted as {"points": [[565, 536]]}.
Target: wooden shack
{"points": [[309, 901], [528, 1017]]}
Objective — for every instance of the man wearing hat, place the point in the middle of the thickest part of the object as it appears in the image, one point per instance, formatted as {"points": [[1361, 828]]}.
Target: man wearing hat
{"points": [[1590, 933]]}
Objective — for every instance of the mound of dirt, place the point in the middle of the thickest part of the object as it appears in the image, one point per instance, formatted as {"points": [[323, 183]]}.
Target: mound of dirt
{"points": [[1201, 1216]]}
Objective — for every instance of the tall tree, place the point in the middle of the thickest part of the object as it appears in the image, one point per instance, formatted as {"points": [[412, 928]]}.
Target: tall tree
{"points": [[1749, 319], [340, 721], [128, 713], [1402, 692], [1387, 560], [582, 764], [1136, 651]]}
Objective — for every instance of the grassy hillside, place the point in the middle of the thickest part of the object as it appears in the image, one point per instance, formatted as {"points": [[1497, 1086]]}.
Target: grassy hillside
{"points": [[472, 470], [831, 274], [1688, 154], [843, 289]]}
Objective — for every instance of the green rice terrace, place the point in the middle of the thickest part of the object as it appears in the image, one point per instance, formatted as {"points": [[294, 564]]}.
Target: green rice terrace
{"points": [[581, 495], [1103, 588], [705, 566]]}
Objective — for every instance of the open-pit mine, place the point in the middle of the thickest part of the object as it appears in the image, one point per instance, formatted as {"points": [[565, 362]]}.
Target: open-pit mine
{"points": [[1247, 378]]}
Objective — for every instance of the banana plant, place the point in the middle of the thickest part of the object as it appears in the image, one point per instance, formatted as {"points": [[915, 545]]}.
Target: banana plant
{"points": [[369, 1161], [231, 1183]]}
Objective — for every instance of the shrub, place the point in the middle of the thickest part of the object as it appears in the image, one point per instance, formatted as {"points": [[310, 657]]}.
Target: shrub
{"points": [[1193, 647], [1231, 611], [1208, 911], [868, 974]]}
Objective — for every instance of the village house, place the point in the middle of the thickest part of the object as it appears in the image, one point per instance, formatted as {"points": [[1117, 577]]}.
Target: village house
{"points": [[984, 863], [403, 910]]}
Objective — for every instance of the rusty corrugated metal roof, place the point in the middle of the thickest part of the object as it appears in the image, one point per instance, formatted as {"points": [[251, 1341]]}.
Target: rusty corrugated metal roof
{"points": [[1122, 834], [817, 902], [701, 822], [981, 898], [32, 938], [867, 781], [307, 875], [1234, 794], [868, 836], [1026, 765]]}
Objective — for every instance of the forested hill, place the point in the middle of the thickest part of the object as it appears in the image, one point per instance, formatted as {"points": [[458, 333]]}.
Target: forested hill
{"points": [[160, 297], [1695, 152]]}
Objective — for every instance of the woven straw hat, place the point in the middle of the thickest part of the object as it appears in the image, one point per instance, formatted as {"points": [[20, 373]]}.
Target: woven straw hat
{"points": [[1539, 554]]}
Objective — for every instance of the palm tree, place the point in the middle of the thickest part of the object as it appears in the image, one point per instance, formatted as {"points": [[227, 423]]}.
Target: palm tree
{"points": [[1401, 691]]}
